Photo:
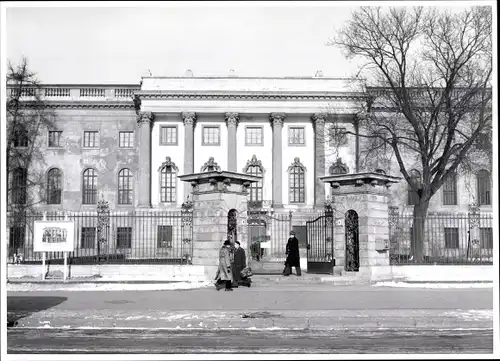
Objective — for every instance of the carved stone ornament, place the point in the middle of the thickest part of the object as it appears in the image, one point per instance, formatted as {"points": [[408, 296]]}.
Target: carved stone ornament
{"points": [[296, 163], [335, 185], [374, 182], [359, 183], [245, 186], [195, 186], [319, 118], [277, 119], [338, 167], [232, 119], [254, 162], [210, 166], [169, 164], [189, 118], [145, 118]]}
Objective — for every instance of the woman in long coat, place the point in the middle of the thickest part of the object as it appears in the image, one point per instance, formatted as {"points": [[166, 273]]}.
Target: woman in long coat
{"points": [[224, 272], [293, 255]]}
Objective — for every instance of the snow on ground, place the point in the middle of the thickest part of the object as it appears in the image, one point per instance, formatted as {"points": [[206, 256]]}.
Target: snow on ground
{"points": [[434, 285], [22, 287]]}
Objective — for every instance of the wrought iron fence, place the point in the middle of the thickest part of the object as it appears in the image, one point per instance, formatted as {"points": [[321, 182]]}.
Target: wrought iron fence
{"points": [[455, 239], [116, 237]]}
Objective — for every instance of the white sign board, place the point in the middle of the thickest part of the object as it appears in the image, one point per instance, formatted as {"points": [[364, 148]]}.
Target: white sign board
{"points": [[266, 244], [54, 236]]}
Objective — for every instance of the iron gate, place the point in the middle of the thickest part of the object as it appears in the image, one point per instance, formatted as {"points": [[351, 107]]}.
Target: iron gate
{"points": [[351, 241], [320, 243], [267, 235]]}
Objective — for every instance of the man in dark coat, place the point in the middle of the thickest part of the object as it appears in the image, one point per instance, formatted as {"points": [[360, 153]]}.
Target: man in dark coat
{"points": [[293, 256], [240, 262]]}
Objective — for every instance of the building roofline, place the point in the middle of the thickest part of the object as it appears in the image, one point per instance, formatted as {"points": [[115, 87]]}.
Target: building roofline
{"points": [[251, 77]]}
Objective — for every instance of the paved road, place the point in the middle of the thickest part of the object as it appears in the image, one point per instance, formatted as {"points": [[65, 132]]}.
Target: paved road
{"points": [[307, 319], [275, 341]]}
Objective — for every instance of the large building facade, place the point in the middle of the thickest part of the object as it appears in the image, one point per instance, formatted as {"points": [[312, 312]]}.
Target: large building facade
{"points": [[127, 144]]}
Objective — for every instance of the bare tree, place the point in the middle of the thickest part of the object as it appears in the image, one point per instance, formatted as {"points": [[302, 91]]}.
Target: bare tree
{"points": [[27, 118], [428, 78]]}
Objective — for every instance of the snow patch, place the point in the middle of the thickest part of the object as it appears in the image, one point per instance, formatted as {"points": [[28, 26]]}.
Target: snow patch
{"points": [[21, 287], [433, 285]]}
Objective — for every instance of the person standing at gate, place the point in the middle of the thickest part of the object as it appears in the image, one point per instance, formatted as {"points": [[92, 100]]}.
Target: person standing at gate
{"points": [[224, 274], [292, 255], [240, 262]]}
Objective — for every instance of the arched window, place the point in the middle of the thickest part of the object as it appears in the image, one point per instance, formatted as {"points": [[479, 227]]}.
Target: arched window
{"points": [[483, 187], [168, 181], [54, 186], [125, 181], [450, 190], [89, 187], [296, 182], [254, 167], [412, 195], [19, 183]]}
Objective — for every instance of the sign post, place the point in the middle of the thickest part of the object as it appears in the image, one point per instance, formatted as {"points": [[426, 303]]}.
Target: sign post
{"points": [[54, 236]]}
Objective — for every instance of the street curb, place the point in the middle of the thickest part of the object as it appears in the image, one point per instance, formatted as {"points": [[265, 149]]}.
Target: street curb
{"points": [[62, 282], [446, 282]]}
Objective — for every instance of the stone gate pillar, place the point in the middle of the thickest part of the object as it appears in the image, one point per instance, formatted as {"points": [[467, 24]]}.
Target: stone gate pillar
{"points": [[363, 197], [215, 193]]}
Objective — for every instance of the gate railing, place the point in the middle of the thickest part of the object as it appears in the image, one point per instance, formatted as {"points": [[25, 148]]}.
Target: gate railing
{"points": [[268, 234], [123, 238], [460, 238]]}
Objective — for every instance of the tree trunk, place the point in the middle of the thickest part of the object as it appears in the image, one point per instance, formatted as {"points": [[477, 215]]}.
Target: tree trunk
{"points": [[418, 230]]}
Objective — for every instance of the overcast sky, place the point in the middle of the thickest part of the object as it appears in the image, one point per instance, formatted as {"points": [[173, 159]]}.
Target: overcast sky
{"points": [[117, 45]]}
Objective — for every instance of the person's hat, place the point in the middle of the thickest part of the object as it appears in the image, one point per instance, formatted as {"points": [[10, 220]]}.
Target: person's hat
{"points": [[237, 242], [227, 243], [292, 233]]}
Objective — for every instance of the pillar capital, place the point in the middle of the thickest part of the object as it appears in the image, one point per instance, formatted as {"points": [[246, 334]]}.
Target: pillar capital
{"points": [[319, 118], [232, 119], [277, 119], [145, 118], [189, 118]]}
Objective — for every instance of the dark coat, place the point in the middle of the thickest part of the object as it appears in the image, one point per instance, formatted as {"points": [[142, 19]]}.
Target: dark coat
{"points": [[292, 252], [240, 262]]}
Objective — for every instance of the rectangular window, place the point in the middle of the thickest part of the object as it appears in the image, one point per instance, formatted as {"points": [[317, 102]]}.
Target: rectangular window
{"points": [[450, 191], [337, 137], [55, 139], [296, 136], [164, 237], [211, 135], [20, 138], [168, 135], [254, 136], [88, 237], [486, 238], [90, 139], [451, 240], [126, 140], [123, 237], [16, 238]]}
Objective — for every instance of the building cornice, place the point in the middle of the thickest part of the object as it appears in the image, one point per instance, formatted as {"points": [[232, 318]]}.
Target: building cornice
{"points": [[248, 95], [80, 105]]}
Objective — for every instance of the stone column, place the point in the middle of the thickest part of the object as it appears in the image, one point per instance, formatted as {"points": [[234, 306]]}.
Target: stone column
{"points": [[232, 124], [277, 120], [145, 122], [319, 159], [189, 119]]}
